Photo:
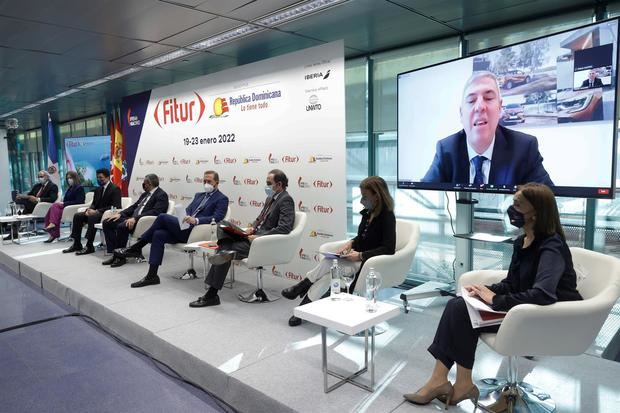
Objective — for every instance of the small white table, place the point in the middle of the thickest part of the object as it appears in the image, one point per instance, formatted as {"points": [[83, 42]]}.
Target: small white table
{"points": [[349, 317], [12, 219]]}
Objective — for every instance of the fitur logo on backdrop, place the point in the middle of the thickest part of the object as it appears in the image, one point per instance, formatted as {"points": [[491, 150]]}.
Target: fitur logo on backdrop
{"points": [[323, 209], [173, 111], [220, 108], [319, 183]]}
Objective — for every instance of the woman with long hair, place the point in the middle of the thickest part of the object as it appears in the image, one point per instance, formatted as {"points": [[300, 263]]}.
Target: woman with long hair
{"points": [[73, 196]]}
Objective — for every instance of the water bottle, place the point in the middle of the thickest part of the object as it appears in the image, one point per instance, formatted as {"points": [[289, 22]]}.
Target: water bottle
{"points": [[373, 281], [213, 230], [335, 285]]}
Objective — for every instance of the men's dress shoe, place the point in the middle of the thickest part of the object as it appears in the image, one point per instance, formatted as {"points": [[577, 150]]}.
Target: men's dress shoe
{"points": [[297, 290], [205, 302], [118, 262], [444, 390], [108, 261], [294, 321], [221, 257], [49, 240], [148, 280], [127, 253], [84, 251], [72, 248], [6, 238]]}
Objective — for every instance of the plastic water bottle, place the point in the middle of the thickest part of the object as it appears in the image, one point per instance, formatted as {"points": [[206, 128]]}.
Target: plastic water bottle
{"points": [[373, 281], [213, 230], [335, 285]]}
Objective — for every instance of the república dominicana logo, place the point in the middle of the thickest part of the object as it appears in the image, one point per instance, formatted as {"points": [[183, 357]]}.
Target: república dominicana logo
{"points": [[220, 108]]}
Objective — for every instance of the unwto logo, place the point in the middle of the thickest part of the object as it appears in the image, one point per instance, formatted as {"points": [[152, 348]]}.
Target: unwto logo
{"points": [[302, 207], [301, 183], [272, 159], [220, 108], [303, 255], [169, 111], [241, 202], [236, 181]]}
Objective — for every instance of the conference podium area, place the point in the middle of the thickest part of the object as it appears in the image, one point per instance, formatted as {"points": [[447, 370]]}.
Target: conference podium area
{"points": [[248, 356]]}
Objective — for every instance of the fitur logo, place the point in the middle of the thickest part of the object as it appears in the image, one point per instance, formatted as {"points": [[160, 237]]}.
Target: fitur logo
{"points": [[220, 108], [170, 111]]}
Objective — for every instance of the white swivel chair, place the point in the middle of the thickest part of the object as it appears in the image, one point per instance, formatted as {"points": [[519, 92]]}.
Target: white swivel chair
{"points": [[126, 201], [560, 329], [393, 268], [269, 250], [69, 211], [200, 233], [39, 212], [145, 223]]}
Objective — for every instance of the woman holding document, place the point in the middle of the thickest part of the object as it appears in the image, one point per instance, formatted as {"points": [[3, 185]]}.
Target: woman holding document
{"points": [[376, 235], [541, 272]]}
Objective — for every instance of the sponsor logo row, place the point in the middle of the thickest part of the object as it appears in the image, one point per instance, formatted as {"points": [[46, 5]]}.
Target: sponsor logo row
{"points": [[239, 181], [219, 160]]}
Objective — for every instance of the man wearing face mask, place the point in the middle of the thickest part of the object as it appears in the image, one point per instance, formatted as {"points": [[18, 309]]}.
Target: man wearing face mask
{"points": [[206, 206], [106, 196], [276, 217], [43, 191], [117, 227]]}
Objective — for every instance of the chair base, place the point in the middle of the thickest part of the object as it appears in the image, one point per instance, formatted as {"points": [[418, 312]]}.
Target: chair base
{"points": [[497, 395], [189, 274], [259, 296]]}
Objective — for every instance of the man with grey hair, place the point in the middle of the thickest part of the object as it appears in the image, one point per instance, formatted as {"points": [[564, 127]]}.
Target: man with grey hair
{"points": [[483, 152], [43, 191], [117, 227]]}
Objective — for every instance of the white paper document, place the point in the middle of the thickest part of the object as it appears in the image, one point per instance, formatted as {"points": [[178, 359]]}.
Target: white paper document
{"points": [[480, 313], [179, 212]]}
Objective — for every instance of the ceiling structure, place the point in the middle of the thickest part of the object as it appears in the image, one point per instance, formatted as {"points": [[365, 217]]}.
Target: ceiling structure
{"points": [[48, 47]]}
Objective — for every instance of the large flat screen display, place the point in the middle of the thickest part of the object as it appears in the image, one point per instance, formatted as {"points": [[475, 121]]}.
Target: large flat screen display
{"points": [[537, 111]]}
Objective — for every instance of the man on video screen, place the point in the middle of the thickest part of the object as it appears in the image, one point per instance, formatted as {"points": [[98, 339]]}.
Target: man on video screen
{"points": [[592, 80], [484, 152]]}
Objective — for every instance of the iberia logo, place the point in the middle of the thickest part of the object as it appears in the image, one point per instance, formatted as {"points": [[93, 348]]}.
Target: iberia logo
{"points": [[178, 112], [220, 108]]}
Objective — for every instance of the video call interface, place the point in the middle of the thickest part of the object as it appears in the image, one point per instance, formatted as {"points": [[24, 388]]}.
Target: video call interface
{"points": [[552, 120]]}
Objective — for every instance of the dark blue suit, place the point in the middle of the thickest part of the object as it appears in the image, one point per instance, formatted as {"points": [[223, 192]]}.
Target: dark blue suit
{"points": [[516, 160], [74, 195], [166, 229]]}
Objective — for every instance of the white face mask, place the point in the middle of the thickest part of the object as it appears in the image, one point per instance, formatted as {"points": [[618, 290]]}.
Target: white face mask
{"points": [[42, 181], [209, 188], [70, 182]]}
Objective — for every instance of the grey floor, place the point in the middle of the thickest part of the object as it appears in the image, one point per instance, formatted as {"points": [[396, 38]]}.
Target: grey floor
{"points": [[66, 365], [250, 357]]}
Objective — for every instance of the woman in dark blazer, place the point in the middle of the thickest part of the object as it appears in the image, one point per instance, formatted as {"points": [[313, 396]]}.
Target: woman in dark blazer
{"points": [[74, 195], [541, 272], [376, 235]]}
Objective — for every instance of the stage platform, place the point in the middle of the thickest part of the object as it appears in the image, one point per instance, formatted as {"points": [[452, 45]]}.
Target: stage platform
{"points": [[249, 356]]}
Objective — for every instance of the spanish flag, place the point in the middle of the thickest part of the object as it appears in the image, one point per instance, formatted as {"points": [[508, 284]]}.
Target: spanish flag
{"points": [[118, 155]]}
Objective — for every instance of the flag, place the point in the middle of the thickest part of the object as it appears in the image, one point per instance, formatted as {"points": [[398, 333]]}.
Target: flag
{"points": [[118, 156], [52, 152]]}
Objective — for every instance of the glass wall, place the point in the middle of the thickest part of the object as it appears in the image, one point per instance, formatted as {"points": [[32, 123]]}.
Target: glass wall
{"points": [[26, 159]]}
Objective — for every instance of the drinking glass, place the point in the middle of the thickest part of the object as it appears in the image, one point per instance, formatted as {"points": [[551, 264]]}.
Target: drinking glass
{"points": [[20, 209], [348, 277]]}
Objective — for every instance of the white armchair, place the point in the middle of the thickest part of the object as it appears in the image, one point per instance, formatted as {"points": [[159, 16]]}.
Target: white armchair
{"points": [[69, 211], [561, 329], [393, 268], [145, 223], [270, 250], [39, 212]]}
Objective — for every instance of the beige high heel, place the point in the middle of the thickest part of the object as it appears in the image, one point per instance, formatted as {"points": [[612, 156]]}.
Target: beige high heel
{"points": [[442, 392], [472, 394]]}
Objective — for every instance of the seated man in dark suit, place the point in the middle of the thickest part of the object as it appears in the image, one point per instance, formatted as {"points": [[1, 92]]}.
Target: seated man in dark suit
{"points": [[116, 228], [206, 206], [276, 217], [484, 152], [592, 81], [106, 196], [43, 191]]}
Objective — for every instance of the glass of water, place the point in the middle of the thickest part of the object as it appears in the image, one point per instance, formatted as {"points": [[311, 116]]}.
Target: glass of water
{"points": [[347, 276]]}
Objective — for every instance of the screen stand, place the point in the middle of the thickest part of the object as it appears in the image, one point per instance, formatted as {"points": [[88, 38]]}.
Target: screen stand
{"points": [[463, 254]]}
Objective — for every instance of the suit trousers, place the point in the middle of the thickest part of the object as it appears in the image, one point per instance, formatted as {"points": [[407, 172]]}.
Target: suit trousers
{"points": [[116, 234], [227, 242], [165, 230], [455, 339], [79, 220]]}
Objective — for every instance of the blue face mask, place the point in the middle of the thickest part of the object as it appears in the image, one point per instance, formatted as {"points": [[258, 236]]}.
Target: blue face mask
{"points": [[269, 190], [100, 182]]}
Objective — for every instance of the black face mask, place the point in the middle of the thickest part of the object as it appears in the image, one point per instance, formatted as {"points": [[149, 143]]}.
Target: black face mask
{"points": [[516, 218], [144, 186]]}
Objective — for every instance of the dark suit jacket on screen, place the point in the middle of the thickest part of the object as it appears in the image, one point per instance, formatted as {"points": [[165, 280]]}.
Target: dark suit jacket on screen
{"points": [[516, 160], [111, 198], [281, 215], [597, 83], [157, 204]]}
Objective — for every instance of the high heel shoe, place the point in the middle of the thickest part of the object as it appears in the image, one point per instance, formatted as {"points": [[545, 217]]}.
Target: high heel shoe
{"points": [[444, 391], [50, 240], [472, 394]]}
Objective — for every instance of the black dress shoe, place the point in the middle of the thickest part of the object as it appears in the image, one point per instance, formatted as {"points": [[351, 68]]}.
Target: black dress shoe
{"points": [[294, 321], [108, 261], [127, 253], [222, 257], [148, 280], [297, 290], [205, 302], [118, 262], [72, 248], [87, 250], [49, 240]]}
